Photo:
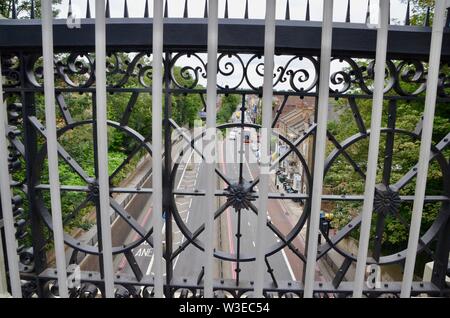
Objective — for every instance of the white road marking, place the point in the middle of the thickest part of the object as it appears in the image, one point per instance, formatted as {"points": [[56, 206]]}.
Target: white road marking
{"points": [[149, 268], [291, 272], [253, 242], [184, 171]]}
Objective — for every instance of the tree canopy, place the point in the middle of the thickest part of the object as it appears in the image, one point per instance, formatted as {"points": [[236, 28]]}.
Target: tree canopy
{"points": [[23, 8]]}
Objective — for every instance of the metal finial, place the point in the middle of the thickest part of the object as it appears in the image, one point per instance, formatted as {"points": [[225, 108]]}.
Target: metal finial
{"points": [[308, 16], [246, 10], [288, 11], [347, 17], [447, 22], [205, 14], [389, 13], [88, 10], [125, 9], [108, 11], [32, 9], [427, 17], [185, 13], [368, 12], [13, 10], [226, 9], [408, 17], [69, 10], [166, 9], [146, 11]]}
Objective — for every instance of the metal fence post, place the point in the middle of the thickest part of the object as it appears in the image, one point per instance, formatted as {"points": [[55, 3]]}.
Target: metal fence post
{"points": [[425, 145], [321, 139], [372, 161], [102, 137], [157, 161], [53, 169], [269, 51], [5, 197], [211, 139]]}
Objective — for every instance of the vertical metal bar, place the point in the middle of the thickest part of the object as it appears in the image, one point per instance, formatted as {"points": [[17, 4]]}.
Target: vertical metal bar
{"points": [[5, 195], [321, 139], [167, 186], [3, 283], [53, 169], [269, 51], [102, 137], [31, 143], [96, 173], [425, 146], [211, 138], [157, 143], [375, 127]]}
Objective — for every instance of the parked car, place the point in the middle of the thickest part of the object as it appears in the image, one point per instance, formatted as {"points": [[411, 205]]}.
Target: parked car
{"points": [[290, 190], [282, 178]]}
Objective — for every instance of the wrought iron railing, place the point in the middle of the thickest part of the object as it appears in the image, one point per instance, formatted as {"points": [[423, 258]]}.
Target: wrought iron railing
{"points": [[166, 57]]}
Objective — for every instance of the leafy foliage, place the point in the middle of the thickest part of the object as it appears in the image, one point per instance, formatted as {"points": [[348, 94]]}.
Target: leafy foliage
{"points": [[78, 142], [343, 179], [23, 8], [228, 107]]}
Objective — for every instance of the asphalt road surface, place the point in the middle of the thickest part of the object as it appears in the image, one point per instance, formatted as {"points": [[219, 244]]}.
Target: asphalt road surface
{"points": [[279, 262], [191, 175]]}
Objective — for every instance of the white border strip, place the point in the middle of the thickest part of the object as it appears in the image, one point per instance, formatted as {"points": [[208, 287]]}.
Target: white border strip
{"points": [[158, 33], [321, 140], [374, 143], [211, 139], [266, 133], [425, 146], [5, 194], [53, 169], [102, 140]]}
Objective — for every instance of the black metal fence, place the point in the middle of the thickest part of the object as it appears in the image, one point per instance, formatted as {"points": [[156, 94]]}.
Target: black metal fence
{"points": [[240, 65]]}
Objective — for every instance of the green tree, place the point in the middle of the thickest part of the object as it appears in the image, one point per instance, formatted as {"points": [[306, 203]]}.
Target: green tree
{"points": [[419, 10], [23, 8], [227, 108], [343, 179]]}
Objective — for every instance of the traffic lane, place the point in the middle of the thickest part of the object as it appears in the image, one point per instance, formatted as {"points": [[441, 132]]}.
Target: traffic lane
{"points": [[249, 222], [144, 252], [285, 225], [282, 222], [287, 266], [189, 262], [121, 232]]}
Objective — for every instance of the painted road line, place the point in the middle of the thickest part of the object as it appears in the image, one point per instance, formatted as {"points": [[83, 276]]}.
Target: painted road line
{"points": [[291, 272], [149, 268], [286, 260], [230, 234]]}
